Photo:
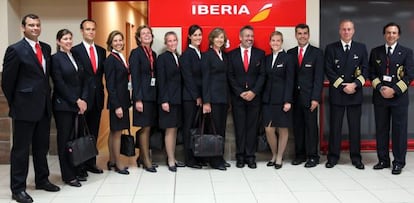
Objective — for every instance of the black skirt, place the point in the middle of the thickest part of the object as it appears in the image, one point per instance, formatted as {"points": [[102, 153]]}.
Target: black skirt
{"points": [[170, 119], [276, 117], [148, 117], [115, 123]]}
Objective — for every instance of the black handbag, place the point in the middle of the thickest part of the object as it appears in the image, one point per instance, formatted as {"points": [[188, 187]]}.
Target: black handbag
{"points": [[262, 144], [207, 145], [81, 148], [127, 144], [156, 138]]}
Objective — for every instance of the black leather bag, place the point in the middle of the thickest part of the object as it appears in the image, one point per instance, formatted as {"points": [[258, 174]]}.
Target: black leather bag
{"points": [[156, 138], [207, 145], [262, 144], [81, 148], [127, 144]]}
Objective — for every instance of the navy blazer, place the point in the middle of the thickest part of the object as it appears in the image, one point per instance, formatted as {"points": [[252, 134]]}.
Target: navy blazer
{"points": [[190, 65], [117, 78], [214, 76], [24, 83], [279, 79], [169, 79], [342, 68], [69, 84], [141, 75], [96, 89], [309, 76], [239, 79], [401, 70]]}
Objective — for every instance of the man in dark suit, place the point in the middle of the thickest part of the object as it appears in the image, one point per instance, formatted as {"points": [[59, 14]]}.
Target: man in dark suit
{"points": [[25, 83], [346, 66], [391, 68], [91, 57], [246, 77], [307, 95]]}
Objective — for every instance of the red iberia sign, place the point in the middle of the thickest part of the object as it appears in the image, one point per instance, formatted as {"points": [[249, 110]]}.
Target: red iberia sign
{"points": [[263, 15]]}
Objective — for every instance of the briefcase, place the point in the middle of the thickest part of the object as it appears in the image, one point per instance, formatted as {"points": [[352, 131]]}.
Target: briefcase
{"points": [[207, 144]]}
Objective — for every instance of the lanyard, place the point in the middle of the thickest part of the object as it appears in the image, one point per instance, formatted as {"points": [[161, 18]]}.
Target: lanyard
{"points": [[125, 65], [150, 58]]}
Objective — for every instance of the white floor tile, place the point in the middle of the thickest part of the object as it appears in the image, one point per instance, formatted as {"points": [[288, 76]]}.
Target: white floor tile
{"points": [[112, 199], [285, 197], [154, 198], [192, 198], [118, 189], [394, 195], [235, 197], [155, 188], [231, 187], [269, 187], [334, 184], [377, 183], [194, 188], [305, 185], [315, 197], [355, 196], [71, 199]]}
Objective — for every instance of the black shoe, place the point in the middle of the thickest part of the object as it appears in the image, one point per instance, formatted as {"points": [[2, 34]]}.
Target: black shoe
{"points": [[82, 173], [358, 165], [141, 162], [226, 164], [179, 164], [79, 178], [330, 164], [239, 163], [172, 168], [193, 165], [74, 183], [396, 169], [381, 165], [252, 165], [219, 167], [121, 171], [110, 165], [271, 163], [48, 186], [298, 161], [22, 197], [94, 169], [311, 163], [278, 166], [151, 169]]}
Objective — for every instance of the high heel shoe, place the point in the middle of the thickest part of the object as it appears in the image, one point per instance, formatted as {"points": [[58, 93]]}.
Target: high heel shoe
{"points": [[123, 171], [110, 165], [271, 163], [151, 169], [74, 183], [141, 162]]}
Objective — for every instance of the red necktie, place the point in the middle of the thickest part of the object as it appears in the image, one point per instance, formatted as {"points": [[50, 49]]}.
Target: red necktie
{"points": [[39, 54], [246, 60], [300, 57], [93, 58]]}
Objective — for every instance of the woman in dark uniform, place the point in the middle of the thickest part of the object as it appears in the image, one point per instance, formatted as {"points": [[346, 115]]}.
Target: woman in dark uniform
{"points": [[69, 101], [169, 97], [190, 64], [117, 78], [144, 92], [277, 98], [215, 87]]}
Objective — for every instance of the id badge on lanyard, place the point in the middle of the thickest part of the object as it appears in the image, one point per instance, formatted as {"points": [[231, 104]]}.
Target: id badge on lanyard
{"points": [[152, 82], [386, 78]]}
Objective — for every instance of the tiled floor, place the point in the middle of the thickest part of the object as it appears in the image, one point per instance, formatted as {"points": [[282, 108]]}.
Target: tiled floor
{"points": [[343, 183]]}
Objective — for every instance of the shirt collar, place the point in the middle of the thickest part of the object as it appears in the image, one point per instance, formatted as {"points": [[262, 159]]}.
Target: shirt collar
{"points": [[344, 43], [31, 42]]}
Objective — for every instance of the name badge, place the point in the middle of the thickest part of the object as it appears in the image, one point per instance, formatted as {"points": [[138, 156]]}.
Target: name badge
{"points": [[308, 65], [129, 85], [279, 66], [387, 78], [152, 82]]}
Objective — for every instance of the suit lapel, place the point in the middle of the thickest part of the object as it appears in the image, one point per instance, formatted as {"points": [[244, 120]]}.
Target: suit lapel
{"points": [[85, 57], [33, 56]]}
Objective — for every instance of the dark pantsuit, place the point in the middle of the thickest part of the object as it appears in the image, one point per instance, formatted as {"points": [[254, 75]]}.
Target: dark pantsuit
{"points": [[189, 112], [93, 118], [353, 114], [398, 116], [306, 132], [219, 117], [246, 121], [65, 128], [24, 134]]}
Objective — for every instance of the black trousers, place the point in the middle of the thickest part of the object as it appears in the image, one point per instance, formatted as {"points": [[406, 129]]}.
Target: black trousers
{"points": [[219, 116], [353, 114], [305, 131], [398, 117], [26, 133], [189, 112], [65, 122], [93, 118], [246, 121]]}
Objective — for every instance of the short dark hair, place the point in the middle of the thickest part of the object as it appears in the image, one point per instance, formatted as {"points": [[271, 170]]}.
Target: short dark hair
{"points": [[111, 37], [389, 25], [86, 20], [60, 34], [246, 27], [191, 30], [31, 15], [301, 26]]}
